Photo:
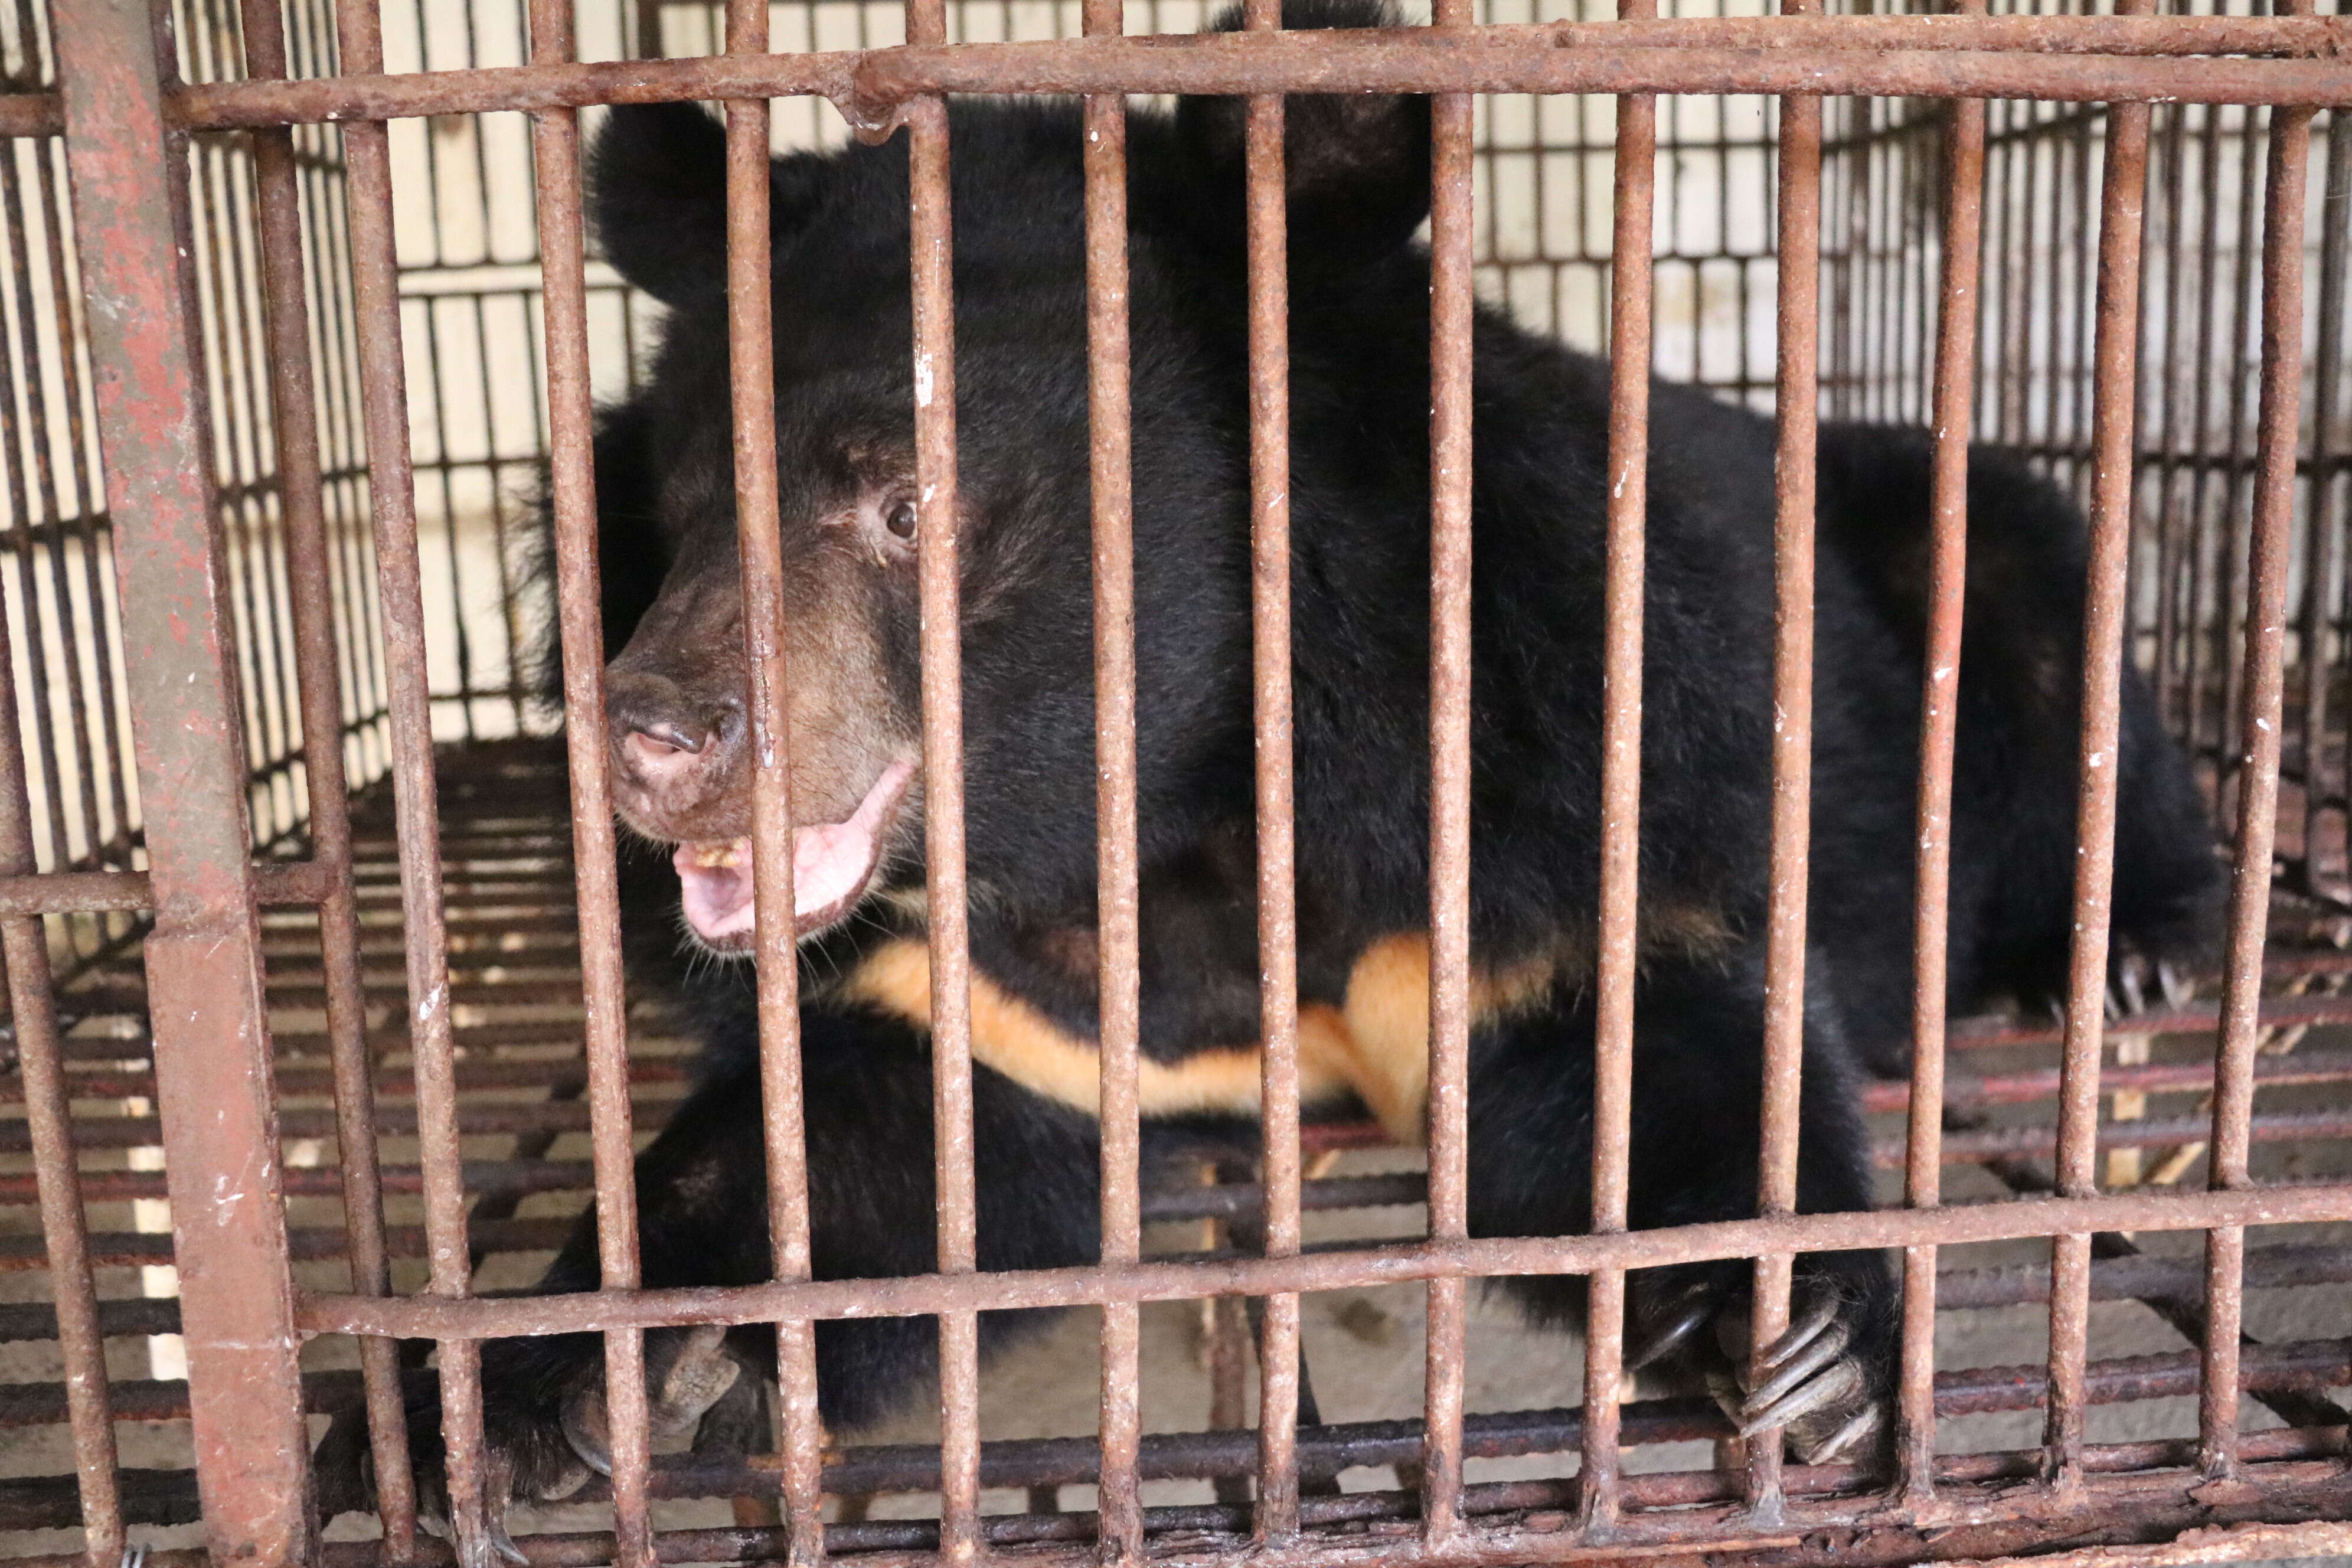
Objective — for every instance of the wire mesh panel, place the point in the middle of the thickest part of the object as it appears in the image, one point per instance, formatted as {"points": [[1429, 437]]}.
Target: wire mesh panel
{"points": [[321, 1024]]}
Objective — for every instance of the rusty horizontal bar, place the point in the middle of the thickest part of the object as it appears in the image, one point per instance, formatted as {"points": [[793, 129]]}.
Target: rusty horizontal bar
{"points": [[134, 1315], [392, 1121], [125, 1248], [277, 882], [1986, 1033], [1977, 1145], [482, 1177], [2142, 1277], [1492, 1434], [32, 114], [299, 1045], [2112, 1279], [417, 1318], [2157, 1078], [528, 1175], [2311, 1366], [1827, 1530], [869, 85], [391, 1082], [156, 1497]]}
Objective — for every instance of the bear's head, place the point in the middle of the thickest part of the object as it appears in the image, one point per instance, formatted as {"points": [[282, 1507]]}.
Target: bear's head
{"points": [[850, 519]]}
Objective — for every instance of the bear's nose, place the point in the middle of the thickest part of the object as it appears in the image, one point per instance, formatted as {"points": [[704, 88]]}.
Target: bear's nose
{"points": [[660, 736]]}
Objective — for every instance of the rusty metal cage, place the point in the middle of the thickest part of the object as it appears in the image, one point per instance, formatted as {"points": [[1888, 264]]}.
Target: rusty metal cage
{"points": [[316, 1017]]}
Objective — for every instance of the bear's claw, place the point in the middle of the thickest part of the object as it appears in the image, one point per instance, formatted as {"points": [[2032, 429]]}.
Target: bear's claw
{"points": [[1665, 1319], [1813, 1383], [696, 1376], [1810, 1383]]}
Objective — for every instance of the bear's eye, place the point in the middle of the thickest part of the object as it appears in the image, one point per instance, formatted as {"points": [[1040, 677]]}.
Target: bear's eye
{"points": [[901, 520]]}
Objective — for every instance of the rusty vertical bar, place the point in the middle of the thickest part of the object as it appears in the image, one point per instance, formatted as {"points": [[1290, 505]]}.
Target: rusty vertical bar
{"points": [[1276, 1515], [1620, 775], [1451, 317], [2278, 441], [302, 497], [391, 497], [49, 1122], [2123, 192], [943, 825], [1940, 715], [2211, 348], [2320, 551], [2178, 303], [1120, 1512], [2235, 471], [604, 1022], [211, 1026], [1797, 400], [751, 366]]}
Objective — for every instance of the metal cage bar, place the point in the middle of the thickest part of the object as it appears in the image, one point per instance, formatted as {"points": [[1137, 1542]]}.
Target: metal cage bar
{"points": [[2122, 189], [1452, 316], [562, 246], [294, 410], [2264, 704], [391, 496], [212, 1056], [1797, 405], [943, 816], [1955, 392], [750, 309], [1621, 780], [1119, 983], [1275, 1517]]}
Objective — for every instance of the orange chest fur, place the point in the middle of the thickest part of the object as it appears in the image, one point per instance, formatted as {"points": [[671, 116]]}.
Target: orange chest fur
{"points": [[1374, 1045]]}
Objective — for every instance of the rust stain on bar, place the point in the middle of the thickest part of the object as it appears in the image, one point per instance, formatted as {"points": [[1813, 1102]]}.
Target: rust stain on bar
{"points": [[943, 816], [427, 1317], [2277, 442], [392, 495], [32, 114], [1955, 395], [1797, 400], [280, 883], [212, 1043], [2123, 192], [604, 1022], [2055, 58], [1451, 313], [760, 541], [1275, 1519], [1620, 777], [1111, 475], [2326, 524], [294, 415]]}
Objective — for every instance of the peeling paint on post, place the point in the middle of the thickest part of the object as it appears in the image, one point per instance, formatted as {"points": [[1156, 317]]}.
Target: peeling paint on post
{"points": [[204, 960]]}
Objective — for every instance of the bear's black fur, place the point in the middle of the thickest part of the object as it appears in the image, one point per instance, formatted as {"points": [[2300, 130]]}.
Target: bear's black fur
{"points": [[1359, 343]]}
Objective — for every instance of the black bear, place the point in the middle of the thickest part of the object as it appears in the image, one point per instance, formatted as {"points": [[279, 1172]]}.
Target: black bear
{"points": [[1358, 172]]}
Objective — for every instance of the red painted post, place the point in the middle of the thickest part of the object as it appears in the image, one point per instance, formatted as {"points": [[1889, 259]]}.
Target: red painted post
{"points": [[204, 959]]}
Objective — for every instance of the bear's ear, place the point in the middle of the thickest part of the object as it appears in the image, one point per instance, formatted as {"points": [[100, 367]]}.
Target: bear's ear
{"points": [[1356, 165], [658, 198]]}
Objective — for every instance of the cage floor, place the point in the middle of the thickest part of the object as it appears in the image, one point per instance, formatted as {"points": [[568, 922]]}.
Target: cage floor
{"points": [[514, 996]]}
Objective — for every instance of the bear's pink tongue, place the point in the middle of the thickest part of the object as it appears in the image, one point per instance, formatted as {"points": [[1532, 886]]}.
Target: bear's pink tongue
{"points": [[832, 863]]}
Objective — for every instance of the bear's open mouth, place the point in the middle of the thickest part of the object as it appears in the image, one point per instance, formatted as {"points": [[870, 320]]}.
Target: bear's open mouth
{"points": [[831, 864]]}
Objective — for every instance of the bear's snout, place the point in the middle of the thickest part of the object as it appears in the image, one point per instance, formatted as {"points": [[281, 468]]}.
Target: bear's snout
{"points": [[673, 751]]}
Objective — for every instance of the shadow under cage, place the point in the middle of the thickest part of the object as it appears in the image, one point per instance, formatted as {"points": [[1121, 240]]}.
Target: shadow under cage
{"points": [[304, 1013]]}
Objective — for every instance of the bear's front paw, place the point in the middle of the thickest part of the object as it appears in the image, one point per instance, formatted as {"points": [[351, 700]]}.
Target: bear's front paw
{"points": [[545, 1429]]}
